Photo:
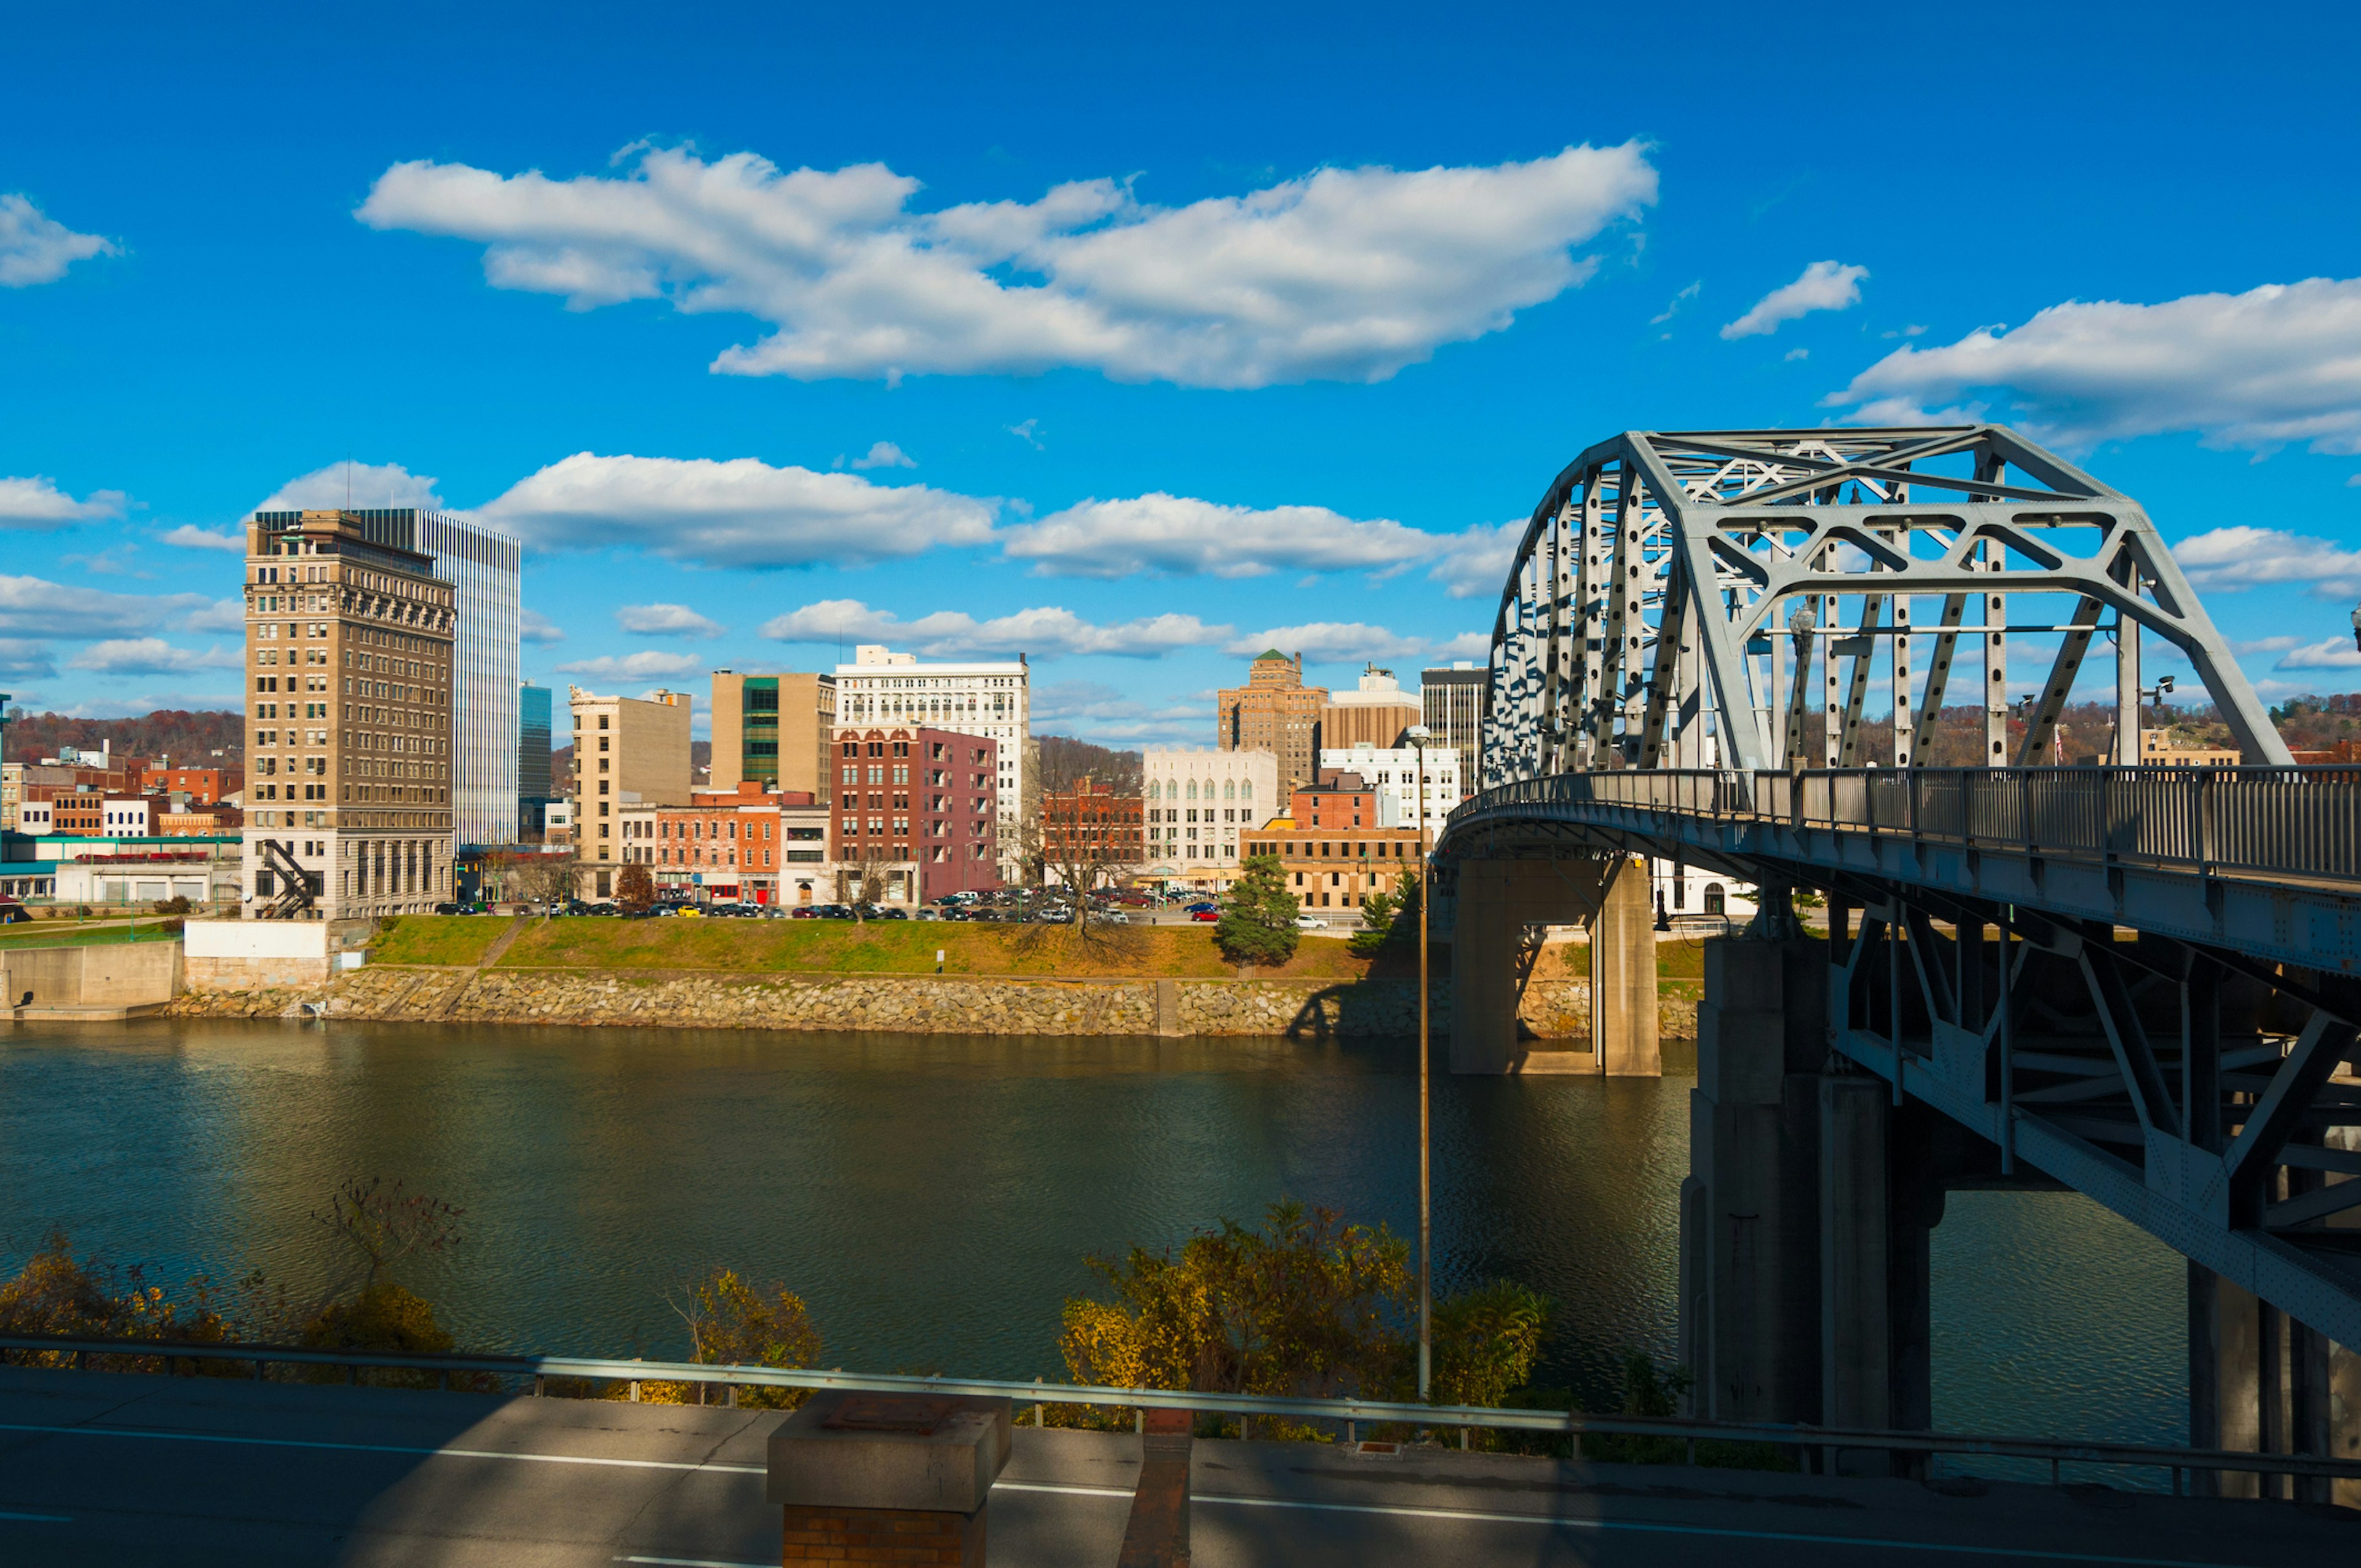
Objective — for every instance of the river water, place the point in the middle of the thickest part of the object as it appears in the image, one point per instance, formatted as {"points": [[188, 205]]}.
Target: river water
{"points": [[933, 1198]]}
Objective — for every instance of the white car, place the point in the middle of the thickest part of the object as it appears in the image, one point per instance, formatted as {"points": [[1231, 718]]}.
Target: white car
{"points": [[1310, 922]]}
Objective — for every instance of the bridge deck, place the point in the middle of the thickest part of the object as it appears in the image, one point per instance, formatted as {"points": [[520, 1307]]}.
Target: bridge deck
{"points": [[105, 1469]]}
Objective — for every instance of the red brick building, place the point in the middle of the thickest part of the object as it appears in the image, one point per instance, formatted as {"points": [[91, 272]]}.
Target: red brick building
{"points": [[203, 786], [726, 846], [1330, 846], [919, 795], [1090, 827]]}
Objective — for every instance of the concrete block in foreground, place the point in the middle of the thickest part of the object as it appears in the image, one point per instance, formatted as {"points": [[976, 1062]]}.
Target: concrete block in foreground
{"points": [[888, 1477]]}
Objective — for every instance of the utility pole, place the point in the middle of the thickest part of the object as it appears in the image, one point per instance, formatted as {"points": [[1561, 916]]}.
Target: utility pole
{"points": [[1418, 735]]}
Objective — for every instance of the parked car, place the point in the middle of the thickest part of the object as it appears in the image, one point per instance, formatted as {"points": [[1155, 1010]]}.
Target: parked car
{"points": [[1199, 907], [833, 912], [1206, 912], [802, 912], [1310, 922], [927, 914], [439, 909]]}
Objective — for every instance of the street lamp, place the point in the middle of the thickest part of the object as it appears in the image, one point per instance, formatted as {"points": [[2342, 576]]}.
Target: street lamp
{"points": [[1418, 735]]}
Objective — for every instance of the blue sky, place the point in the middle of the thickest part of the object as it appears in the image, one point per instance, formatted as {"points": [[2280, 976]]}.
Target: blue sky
{"points": [[774, 328]]}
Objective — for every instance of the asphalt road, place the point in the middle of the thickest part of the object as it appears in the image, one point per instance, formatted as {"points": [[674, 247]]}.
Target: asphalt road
{"points": [[102, 1469]]}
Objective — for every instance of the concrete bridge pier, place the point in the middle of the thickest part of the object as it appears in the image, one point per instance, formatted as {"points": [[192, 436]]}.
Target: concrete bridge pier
{"points": [[1750, 1329], [1495, 901]]}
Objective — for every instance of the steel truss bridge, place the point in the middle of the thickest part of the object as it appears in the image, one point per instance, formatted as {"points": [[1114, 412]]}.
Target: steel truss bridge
{"points": [[2141, 980]]}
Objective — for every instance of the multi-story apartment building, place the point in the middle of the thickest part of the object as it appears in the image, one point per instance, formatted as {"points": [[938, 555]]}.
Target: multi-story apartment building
{"points": [[1374, 714], [775, 729], [1458, 704], [1197, 802], [922, 802], [993, 700], [348, 644], [1274, 712], [532, 762], [1332, 851], [627, 752], [727, 845], [1395, 774], [483, 568], [1089, 830]]}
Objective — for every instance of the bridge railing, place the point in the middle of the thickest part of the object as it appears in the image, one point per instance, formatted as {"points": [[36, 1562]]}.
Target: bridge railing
{"points": [[2301, 822]]}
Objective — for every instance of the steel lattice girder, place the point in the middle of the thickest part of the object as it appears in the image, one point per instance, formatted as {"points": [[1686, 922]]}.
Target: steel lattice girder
{"points": [[1646, 587]]}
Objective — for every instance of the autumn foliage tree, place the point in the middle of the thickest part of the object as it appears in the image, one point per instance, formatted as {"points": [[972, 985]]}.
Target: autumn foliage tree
{"points": [[636, 890]]}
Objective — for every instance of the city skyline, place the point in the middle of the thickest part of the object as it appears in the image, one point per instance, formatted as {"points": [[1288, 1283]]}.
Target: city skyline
{"points": [[758, 375]]}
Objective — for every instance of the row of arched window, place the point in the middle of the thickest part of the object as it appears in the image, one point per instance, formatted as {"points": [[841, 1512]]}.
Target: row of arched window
{"points": [[1175, 789]]}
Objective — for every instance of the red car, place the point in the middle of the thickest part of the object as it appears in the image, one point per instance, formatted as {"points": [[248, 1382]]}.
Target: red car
{"points": [[1205, 915]]}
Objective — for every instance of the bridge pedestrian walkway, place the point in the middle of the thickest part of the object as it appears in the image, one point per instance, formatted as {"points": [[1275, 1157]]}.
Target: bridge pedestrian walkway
{"points": [[104, 1469]]}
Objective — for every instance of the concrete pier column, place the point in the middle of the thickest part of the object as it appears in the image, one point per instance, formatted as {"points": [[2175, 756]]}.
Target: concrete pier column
{"points": [[1495, 901], [1856, 1338], [1623, 978], [1749, 1215]]}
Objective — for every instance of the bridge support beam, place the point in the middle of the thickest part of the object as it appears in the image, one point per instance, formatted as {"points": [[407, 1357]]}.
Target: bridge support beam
{"points": [[1750, 1319], [1880, 1200], [1496, 902]]}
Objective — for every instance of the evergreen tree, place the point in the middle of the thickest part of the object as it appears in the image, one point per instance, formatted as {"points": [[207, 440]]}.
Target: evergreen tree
{"points": [[1258, 922]]}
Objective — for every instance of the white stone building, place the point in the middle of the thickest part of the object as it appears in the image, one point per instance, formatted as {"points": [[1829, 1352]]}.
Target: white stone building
{"points": [[1394, 772], [994, 699], [1194, 802]]}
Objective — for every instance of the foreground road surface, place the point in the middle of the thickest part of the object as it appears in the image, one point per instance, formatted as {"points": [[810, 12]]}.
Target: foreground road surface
{"points": [[104, 1469]]}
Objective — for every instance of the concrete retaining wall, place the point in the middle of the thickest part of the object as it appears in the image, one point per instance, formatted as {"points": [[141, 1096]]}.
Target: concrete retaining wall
{"points": [[124, 974], [258, 955]]}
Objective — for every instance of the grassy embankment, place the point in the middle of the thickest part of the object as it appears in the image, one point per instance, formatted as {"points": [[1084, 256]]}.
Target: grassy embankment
{"points": [[895, 947], [72, 934]]}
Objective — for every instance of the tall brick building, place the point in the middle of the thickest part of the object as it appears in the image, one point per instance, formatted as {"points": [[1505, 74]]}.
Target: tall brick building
{"points": [[1275, 712], [917, 797]]}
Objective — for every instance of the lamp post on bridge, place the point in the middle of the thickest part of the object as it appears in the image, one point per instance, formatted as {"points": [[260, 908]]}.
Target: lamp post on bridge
{"points": [[1418, 735]]}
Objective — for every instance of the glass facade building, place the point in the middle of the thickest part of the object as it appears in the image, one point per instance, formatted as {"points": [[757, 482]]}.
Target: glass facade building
{"points": [[486, 568], [533, 758]]}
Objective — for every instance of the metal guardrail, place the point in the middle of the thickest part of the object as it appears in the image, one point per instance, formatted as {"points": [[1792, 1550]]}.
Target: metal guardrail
{"points": [[1464, 1419], [2302, 822]]}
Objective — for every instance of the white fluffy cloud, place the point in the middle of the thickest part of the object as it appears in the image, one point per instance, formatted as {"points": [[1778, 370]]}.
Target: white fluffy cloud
{"points": [[32, 607], [666, 620], [1824, 285], [37, 248], [534, 627], [37, 502], [1476, 561], [742, 513], [645, 665], [1159, 533], [2228, 559], [358, 485], [22, 657], [1091, 711], [1041, 633], [2272, 366], [1330, 642], [886, 455], [187, 536], [151, 655], [2329, 653], [1344, 274]]}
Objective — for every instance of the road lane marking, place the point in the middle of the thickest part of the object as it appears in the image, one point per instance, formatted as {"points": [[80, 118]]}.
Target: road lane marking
{"points": [[386, 1448], [1218, 1499], [1473, 1516], [35, 1519]]}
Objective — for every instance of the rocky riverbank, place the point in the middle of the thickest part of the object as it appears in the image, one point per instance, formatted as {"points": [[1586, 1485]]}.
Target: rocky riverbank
{"points": [[912, 1003]]}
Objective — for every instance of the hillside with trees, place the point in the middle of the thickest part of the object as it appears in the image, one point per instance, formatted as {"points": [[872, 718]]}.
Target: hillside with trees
{"points": [[1063, 760], [189, 739]]}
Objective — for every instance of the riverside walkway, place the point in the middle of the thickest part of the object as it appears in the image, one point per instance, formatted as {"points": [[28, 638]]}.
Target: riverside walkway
{"points": [[99, 1468]]}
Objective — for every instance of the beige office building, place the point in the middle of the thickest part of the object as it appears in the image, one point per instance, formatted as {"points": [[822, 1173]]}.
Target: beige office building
{"points": [[1374, 714], [774, 730], [1274, 712], [348, 644], [627, 752]]}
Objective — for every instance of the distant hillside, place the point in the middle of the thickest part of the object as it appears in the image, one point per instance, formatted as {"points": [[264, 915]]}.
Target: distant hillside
{"points": [[189, 739], [1064, 760]]}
